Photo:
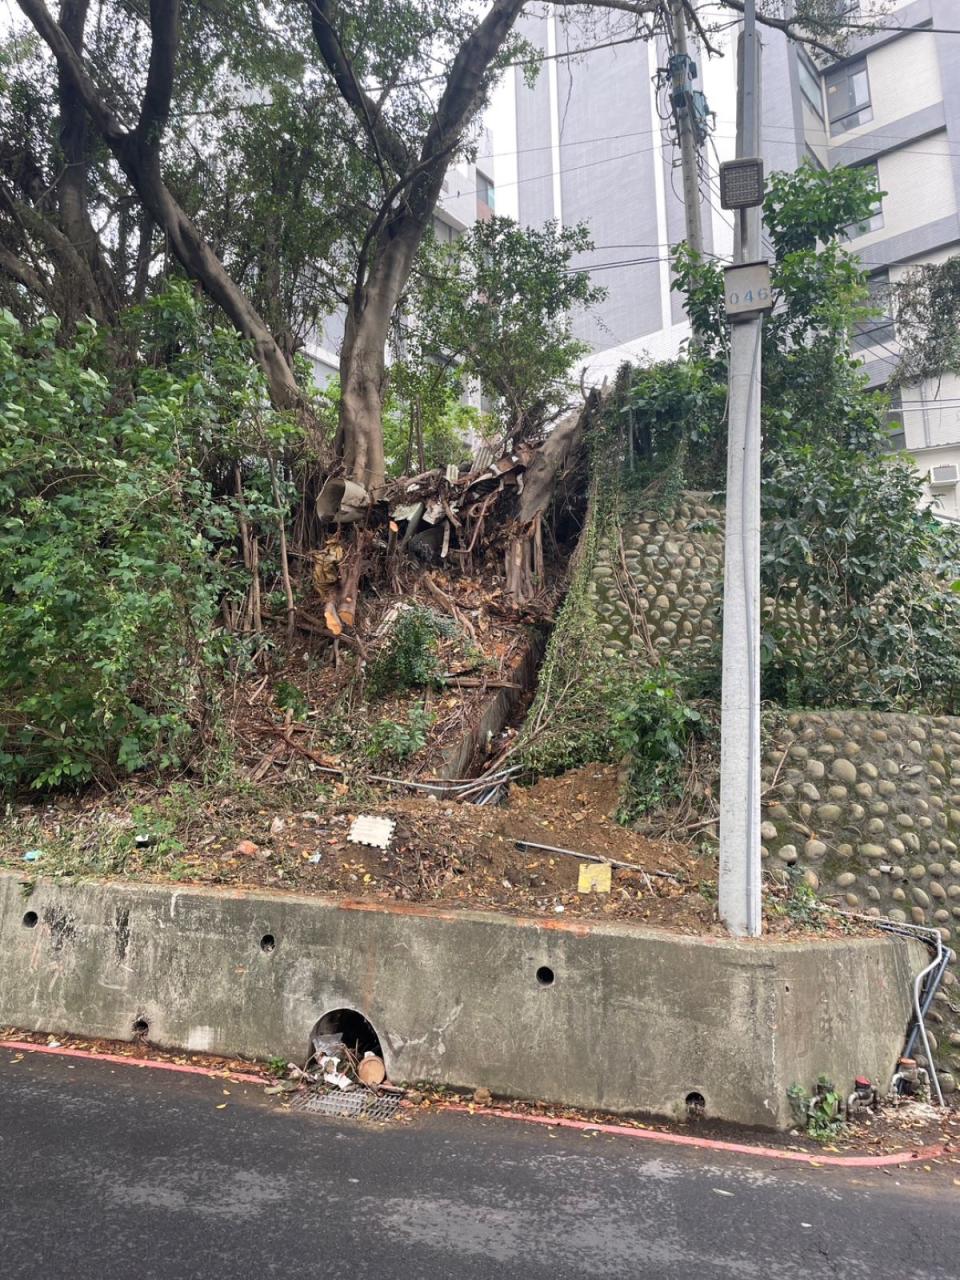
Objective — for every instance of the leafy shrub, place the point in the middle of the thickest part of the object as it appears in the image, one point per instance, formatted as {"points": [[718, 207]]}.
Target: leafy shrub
{"points": [[409, 657], [114, 546], [820, 1113], [290, 697], [801, 905], [845, 533], [651, 725], [390, 740]]}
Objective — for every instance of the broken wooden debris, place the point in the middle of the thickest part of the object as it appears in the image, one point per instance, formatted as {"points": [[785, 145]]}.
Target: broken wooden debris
{"points": [[371, 1070], [338, 1066]]}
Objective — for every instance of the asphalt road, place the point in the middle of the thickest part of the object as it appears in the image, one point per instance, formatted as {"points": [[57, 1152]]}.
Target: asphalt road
{"points": [[108, 1172]]}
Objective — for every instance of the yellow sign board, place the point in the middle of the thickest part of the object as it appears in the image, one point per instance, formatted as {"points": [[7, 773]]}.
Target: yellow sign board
{"points": [[594, 877]]}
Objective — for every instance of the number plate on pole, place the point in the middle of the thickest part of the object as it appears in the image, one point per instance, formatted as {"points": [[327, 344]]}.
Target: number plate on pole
{"points": [[746, 290]]}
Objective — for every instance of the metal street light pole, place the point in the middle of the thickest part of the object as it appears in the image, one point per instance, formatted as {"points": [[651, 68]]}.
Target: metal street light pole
{"points": [[739, 893]]}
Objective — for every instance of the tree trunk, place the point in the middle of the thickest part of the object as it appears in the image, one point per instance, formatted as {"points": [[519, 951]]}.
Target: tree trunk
{"points": [[362, 389], [558, 453], [72, 182], [138, 154], [363, 373], [194, 254]]}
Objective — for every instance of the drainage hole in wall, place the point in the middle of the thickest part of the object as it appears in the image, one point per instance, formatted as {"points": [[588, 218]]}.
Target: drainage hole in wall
{"points": [[696, 1105], [545, 976], [351, 1028], [30, 920], [140, 1027], [268, 943]]}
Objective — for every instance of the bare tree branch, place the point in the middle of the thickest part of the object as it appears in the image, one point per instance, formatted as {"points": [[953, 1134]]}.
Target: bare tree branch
{"points": [[791, 27], [387, 144], [70, 61], [71, 184], [23, 273], [137, 152], [165, 33]]}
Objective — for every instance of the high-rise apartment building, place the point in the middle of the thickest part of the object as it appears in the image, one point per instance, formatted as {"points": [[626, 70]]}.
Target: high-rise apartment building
{"points": [[594, 142]]}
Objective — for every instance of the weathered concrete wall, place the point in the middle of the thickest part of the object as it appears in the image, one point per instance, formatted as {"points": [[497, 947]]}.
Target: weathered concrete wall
{"points": [[866, 807], [632, 1020]]}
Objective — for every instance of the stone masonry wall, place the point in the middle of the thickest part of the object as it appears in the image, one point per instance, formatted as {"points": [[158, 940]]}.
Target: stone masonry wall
{"points": [[657, 586], [862, 806], [865, 806]]}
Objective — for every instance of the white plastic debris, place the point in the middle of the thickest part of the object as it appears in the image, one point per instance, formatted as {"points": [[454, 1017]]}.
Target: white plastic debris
{"points": [[333, 1075], [371, 830]]}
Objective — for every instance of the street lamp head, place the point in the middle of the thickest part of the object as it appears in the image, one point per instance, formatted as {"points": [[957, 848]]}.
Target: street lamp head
{"points": [[741, 183]]}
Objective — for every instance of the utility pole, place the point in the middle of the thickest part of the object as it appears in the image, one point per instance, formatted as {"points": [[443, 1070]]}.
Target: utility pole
{"points": [[739, 896], [682, 72]]}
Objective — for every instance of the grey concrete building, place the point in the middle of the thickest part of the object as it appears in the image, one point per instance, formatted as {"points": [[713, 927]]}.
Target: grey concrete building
{"points": [[593, 145]]}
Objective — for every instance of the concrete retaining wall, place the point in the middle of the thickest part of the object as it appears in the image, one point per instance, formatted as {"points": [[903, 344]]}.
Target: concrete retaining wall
{"points": [[864, 806], [611, 1016]]}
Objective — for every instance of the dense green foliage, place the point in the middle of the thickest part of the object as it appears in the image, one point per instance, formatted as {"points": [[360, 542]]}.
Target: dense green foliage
{"points": [[409, 658], [396, 741], [844, 531], [117, 535], [927, 304], [497, 305], [845, 535], [651, 726]]}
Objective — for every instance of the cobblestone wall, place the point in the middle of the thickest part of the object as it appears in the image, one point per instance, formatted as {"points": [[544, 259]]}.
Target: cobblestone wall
{"points": [[658, 581], [864, 806]]}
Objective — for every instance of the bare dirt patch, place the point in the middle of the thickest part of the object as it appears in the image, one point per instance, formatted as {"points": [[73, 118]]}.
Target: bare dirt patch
{"points": [[443, 853]]}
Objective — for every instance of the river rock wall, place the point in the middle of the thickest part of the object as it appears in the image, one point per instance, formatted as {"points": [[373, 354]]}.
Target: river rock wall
{"points": [[657, 588], [864, 807]]}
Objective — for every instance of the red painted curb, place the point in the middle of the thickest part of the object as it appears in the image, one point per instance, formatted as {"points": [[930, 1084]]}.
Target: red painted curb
{"points": [[708, 1144], [155, 1063], [621, 1130]]}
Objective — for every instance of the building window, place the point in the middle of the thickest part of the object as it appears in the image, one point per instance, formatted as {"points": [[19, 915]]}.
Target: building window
{"points": [[486, 194], [443, 232], [898, 437], [848, 97], [873, 221], [810, 85], [879, 329]]}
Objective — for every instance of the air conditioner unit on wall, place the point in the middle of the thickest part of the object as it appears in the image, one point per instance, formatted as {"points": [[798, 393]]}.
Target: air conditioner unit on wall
{"points": [[946, 476]]}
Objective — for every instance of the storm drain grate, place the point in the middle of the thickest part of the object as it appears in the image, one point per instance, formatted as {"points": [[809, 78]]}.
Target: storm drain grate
{"points": [[358, 1106]]}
